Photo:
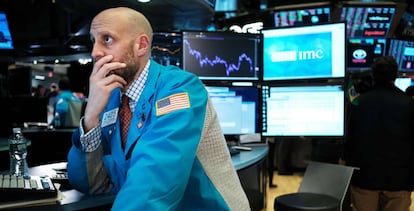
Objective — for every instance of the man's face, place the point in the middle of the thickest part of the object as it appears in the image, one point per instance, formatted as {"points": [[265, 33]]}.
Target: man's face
{"points": [[112, 38], [128, 57]]}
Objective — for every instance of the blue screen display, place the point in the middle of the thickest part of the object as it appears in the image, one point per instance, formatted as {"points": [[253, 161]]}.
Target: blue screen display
{"points": [[6, 42], [237, 108], [305, 52], [403, 52]]}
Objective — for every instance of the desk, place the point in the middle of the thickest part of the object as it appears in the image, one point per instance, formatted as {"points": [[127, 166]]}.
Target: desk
{"points": [[249, 158], [250, 166]]}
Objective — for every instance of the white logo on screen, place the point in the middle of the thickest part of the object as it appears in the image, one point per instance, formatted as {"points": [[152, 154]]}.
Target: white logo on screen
{"points": [[284, 56], [359, 54], [253, 28]]}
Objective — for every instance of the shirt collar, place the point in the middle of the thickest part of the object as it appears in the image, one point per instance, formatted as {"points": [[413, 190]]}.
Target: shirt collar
{"points": [[137, 86]]}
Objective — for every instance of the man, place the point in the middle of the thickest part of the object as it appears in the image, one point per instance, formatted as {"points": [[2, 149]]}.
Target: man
{"points": [[175, 156], [380, 143], [64, 113]]}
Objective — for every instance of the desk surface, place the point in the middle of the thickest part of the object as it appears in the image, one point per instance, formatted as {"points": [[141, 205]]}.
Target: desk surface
{"points": [[74, 200], [46, 130], [247, 158]]}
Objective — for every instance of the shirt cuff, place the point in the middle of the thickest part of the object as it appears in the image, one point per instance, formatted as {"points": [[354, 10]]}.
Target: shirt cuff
{"points": [[92, 139]]}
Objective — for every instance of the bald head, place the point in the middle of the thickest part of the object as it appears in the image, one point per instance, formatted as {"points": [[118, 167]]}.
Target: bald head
{"points": [[131, 21], [122, 36]]}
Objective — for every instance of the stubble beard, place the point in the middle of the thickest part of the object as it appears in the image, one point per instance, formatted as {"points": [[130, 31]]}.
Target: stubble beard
{"points": [[130, 71]]}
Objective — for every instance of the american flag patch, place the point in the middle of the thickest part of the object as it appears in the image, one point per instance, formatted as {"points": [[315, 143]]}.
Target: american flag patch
{"points": [[172, 103]]}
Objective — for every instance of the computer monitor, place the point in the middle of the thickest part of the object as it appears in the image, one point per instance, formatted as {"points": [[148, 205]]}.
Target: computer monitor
{"points": [[6, 41], [166, 48], [237, 107], [367, 19], [221, 55], [403, 82], [403, 52], [302, 14], [225, 6], [363, 51], [304, 111], [306, 52]]}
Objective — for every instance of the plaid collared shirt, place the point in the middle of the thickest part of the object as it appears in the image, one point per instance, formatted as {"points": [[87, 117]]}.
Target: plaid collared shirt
{"points": [[92, 139]]}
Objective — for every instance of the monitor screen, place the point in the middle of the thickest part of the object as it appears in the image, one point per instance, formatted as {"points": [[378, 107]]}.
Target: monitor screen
{"points": [[303, 111], [225, 5], [403, 83], [403, 52], [6, 41], [237, 108], [166, 48], [306, 52], [302, 16], [363, 51], [367, 20], [221, 55]]}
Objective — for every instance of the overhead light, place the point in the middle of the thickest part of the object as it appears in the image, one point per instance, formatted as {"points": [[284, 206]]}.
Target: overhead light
{"points": [[144, 1]]}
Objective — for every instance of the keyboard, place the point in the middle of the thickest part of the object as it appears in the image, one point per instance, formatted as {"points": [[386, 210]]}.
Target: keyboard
{"points": [[19, 188], [62, 179]]}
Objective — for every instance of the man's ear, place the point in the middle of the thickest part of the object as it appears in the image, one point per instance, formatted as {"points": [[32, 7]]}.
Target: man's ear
{"points": [[141, 45]]}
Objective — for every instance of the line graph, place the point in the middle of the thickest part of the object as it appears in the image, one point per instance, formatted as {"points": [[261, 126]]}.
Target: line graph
{"points": [[220, 58], [165, 50]]}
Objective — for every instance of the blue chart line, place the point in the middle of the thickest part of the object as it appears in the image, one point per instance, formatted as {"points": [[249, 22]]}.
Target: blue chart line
{"points": [[217, 60]]}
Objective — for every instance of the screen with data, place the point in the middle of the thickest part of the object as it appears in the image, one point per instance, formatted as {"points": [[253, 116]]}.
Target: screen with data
{"points": [[363, 51], [306, 52], [302, 16], [221, 55], [308, 111], [403, 52], [237, 108], [367, 20]]}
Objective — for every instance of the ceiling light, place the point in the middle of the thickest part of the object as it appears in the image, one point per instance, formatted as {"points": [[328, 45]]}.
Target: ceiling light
{"points": [[144, 1]]}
